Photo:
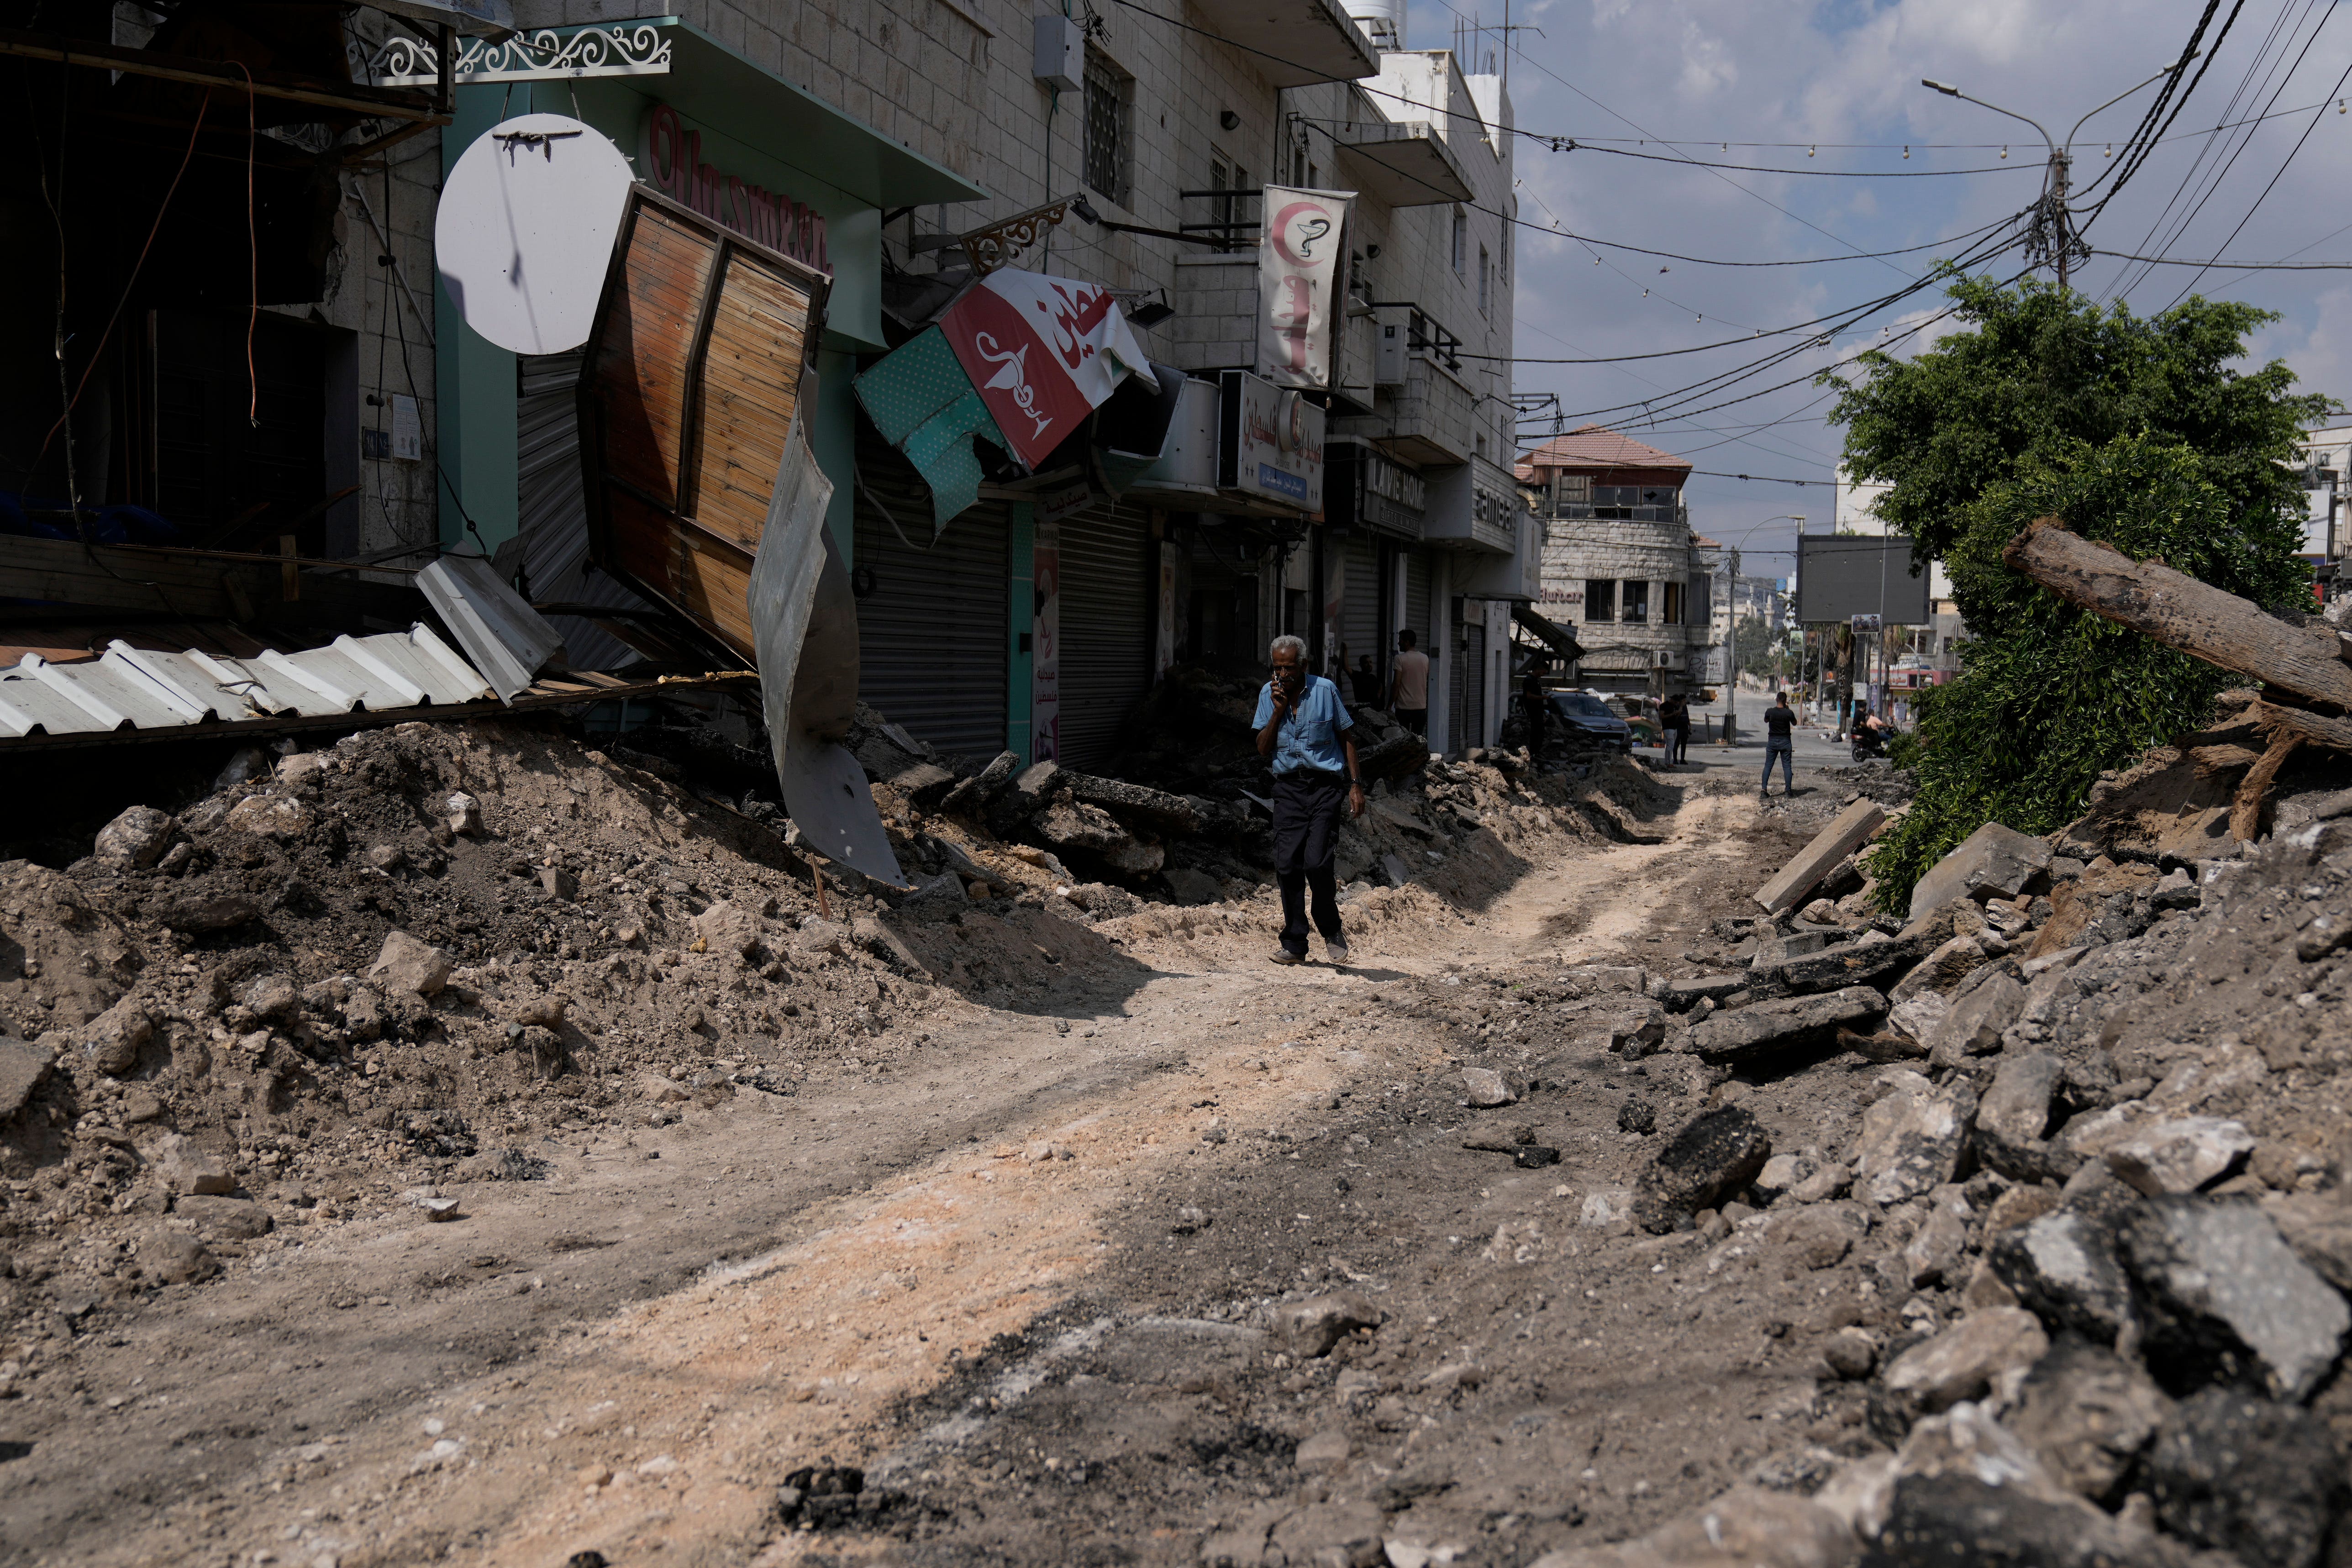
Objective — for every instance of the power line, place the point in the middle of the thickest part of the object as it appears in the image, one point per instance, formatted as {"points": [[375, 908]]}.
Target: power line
{"points": [[2273, 185]]}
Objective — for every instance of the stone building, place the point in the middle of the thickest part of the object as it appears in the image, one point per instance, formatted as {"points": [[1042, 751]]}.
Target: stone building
{"points": [[1620, 562]]}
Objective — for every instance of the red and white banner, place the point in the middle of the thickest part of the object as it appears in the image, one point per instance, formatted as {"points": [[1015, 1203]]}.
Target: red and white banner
{"points": [[1297, 279], [1044, 351]]}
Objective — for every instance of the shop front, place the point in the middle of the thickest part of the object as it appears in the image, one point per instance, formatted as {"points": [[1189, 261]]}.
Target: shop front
{"points": [[743, 147]]}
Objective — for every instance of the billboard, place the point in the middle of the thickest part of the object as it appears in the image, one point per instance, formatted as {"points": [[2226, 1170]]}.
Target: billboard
{"points": [[1840, 575]]}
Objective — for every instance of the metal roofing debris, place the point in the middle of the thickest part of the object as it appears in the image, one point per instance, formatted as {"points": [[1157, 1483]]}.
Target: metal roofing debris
{"points": [[508, 640], [139, 689]]}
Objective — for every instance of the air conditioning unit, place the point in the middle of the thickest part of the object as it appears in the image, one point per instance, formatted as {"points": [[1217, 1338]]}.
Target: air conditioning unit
{"points": [[1388, 352]]}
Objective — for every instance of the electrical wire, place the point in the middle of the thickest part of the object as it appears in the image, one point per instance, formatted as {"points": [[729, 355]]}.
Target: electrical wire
{"points": [[2268, 188]]}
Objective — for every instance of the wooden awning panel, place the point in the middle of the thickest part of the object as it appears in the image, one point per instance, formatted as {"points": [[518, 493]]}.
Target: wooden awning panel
{"points": [[694, 371]]}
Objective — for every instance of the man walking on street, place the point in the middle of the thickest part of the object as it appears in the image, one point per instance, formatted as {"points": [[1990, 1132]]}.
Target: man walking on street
{"points": [[1302, 726], [1780, 741], [1409, 684]]}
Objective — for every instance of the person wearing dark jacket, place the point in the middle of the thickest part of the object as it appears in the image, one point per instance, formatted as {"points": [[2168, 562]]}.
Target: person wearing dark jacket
{"points": [[1780, 741], [1675, 718]]}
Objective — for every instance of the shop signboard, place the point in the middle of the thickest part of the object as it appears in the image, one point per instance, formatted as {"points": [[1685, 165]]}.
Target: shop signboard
{"points": [[1271, 445], [1044, 351], [1298, 272]]}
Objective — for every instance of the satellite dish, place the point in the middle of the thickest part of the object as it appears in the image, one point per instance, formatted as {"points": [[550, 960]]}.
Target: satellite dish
{"points": [[525, 231]]}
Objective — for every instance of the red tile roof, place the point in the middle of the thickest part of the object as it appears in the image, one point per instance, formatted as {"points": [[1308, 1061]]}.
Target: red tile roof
{"points": [[1597, 447]]}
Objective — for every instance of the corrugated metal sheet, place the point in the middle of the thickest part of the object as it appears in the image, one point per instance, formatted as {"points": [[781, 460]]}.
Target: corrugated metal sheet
{"points": [[137, 688], [552, 506], [1360, 601], [1106, 663], [933, 622]]}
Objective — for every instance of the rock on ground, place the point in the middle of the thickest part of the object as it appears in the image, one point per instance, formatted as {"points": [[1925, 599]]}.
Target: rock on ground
{"points": [[1716, 1153], [2088, 1415], [2227, 1299], [1965, 1360], [1911, 1138], [2266, 1483], [1993, 861], [1794, 1024], [407, 964]]}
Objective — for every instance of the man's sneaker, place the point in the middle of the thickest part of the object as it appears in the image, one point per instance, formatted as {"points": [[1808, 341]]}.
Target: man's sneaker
{"points": [[1284, 955], [1337, 952]]}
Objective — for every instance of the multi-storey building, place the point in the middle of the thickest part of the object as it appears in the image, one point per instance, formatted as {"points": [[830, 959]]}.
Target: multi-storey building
{"points": [[1620, 562]]}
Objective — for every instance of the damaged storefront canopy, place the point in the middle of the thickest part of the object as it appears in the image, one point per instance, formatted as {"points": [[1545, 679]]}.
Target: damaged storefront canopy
{"points": [[1021, 360]]}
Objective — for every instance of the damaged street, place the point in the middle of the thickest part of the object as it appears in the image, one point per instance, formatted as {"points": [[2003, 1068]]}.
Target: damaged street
{"points": [[552, 1176]]}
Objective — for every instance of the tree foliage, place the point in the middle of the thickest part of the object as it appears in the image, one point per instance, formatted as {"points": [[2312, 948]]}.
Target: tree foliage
{"points": [[2134, 432]]}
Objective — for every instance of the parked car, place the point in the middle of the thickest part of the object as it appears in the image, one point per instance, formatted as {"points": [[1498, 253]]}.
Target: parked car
{"points": [[1590, 722]]}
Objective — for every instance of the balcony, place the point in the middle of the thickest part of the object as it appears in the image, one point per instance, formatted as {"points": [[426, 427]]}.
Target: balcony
{"points": [[1404, 165], [1429, 418], [1292, 42]]}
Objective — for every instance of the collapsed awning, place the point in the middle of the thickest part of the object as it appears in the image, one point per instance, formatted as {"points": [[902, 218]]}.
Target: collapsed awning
{"points": [[1563, 641]]}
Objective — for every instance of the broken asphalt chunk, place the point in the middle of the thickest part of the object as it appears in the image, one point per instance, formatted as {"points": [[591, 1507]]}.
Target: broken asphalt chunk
{"points": [[2226, 1300], [1793, 1024], [1716, 1155]]}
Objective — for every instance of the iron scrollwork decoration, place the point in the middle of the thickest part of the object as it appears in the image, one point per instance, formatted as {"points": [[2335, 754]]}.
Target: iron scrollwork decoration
{"points": [[609, 49], [1002, 242]]}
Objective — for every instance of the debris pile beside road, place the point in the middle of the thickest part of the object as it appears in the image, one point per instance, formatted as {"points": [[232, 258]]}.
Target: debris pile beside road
{"points": [[415, 956], [2091, 1225]]}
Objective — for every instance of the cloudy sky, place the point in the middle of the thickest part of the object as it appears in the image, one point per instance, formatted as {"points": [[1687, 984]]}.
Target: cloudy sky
{"points": [[1837, 85]]}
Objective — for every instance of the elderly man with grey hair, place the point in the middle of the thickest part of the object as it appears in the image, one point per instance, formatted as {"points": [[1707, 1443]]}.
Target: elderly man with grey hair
{"points": [[1302, 726]]}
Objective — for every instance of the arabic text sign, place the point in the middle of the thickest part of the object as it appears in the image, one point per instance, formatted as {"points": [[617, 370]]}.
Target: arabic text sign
{"points": [[1297, 273], [1044, 351]]}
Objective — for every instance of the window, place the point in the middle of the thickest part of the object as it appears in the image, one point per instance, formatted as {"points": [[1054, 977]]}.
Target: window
{"points": [[1637, 605], [1461, 242], [1506, 251], [1486, 282], [1110, 131], [1702, 600], [1671, 614], [1233, 210], [1601, 598]]}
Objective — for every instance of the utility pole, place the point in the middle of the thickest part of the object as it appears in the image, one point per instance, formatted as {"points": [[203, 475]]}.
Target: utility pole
{"points": [[2051, 239]]}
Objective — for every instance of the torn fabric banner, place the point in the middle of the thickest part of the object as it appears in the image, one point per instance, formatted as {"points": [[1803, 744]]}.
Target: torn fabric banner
{"points": [[1044, 351], [1297, 274]]}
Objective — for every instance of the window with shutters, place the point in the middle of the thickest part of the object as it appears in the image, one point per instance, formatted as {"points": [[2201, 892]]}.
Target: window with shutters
{"points": [[1671, 614], [1110, 128], [1461, 242]]}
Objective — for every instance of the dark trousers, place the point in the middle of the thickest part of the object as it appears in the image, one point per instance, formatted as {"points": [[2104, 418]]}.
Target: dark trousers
{"points": [[1415, 719], [1678, 742], [1787, 752], [1306, 830]]}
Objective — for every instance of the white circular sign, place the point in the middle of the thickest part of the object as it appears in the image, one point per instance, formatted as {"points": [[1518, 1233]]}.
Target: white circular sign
{"points": [[525, 231]]}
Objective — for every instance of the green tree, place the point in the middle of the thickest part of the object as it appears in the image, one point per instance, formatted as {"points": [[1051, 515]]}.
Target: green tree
{"points": [[1753, 645], [2137, 432]]}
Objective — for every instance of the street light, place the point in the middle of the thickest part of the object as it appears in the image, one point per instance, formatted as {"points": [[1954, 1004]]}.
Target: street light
{"points": [[2052, 236]]}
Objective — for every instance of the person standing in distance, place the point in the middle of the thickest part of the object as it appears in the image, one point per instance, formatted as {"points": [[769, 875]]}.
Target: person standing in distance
{"points": [[1302, 726], [1780, 741], [1409, 684]]}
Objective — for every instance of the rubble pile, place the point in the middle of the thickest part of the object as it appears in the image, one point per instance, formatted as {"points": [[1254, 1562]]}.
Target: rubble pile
{"points": [[2092, 1209], [406, 959]]}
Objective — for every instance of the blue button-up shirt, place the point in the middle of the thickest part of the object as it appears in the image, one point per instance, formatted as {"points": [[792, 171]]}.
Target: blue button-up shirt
{"points": [[1309, 736]]}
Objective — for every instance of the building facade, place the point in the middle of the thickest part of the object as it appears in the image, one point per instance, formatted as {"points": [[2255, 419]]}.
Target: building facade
{"points": [[1937, 644], [1621, 563]]}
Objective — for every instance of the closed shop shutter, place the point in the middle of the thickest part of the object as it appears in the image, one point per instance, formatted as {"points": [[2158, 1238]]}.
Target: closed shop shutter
{"points": [[1468, 686], [1106, 628], [931, 632], [551, 508], [1360, 613], [1416, 595]]}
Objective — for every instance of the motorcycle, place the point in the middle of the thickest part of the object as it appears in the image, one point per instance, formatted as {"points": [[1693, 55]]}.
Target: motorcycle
{"points": [[1869, 743]]}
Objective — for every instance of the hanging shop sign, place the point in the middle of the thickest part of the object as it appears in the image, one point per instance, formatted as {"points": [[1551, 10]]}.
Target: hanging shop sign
{"points": [[1044, 351], [1368, 488], [1298, 272], [672, 163], [1271, 445]]}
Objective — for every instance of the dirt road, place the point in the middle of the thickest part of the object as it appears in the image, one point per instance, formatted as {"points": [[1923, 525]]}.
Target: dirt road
{"points": [[1023, 1281]]}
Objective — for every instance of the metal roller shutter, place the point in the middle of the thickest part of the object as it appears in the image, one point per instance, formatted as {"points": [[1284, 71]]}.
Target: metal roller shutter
{"points": [[1360, 606], [1467, 683], [1416, 596], [1105, 627], [931, 631], [551, 508]]}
